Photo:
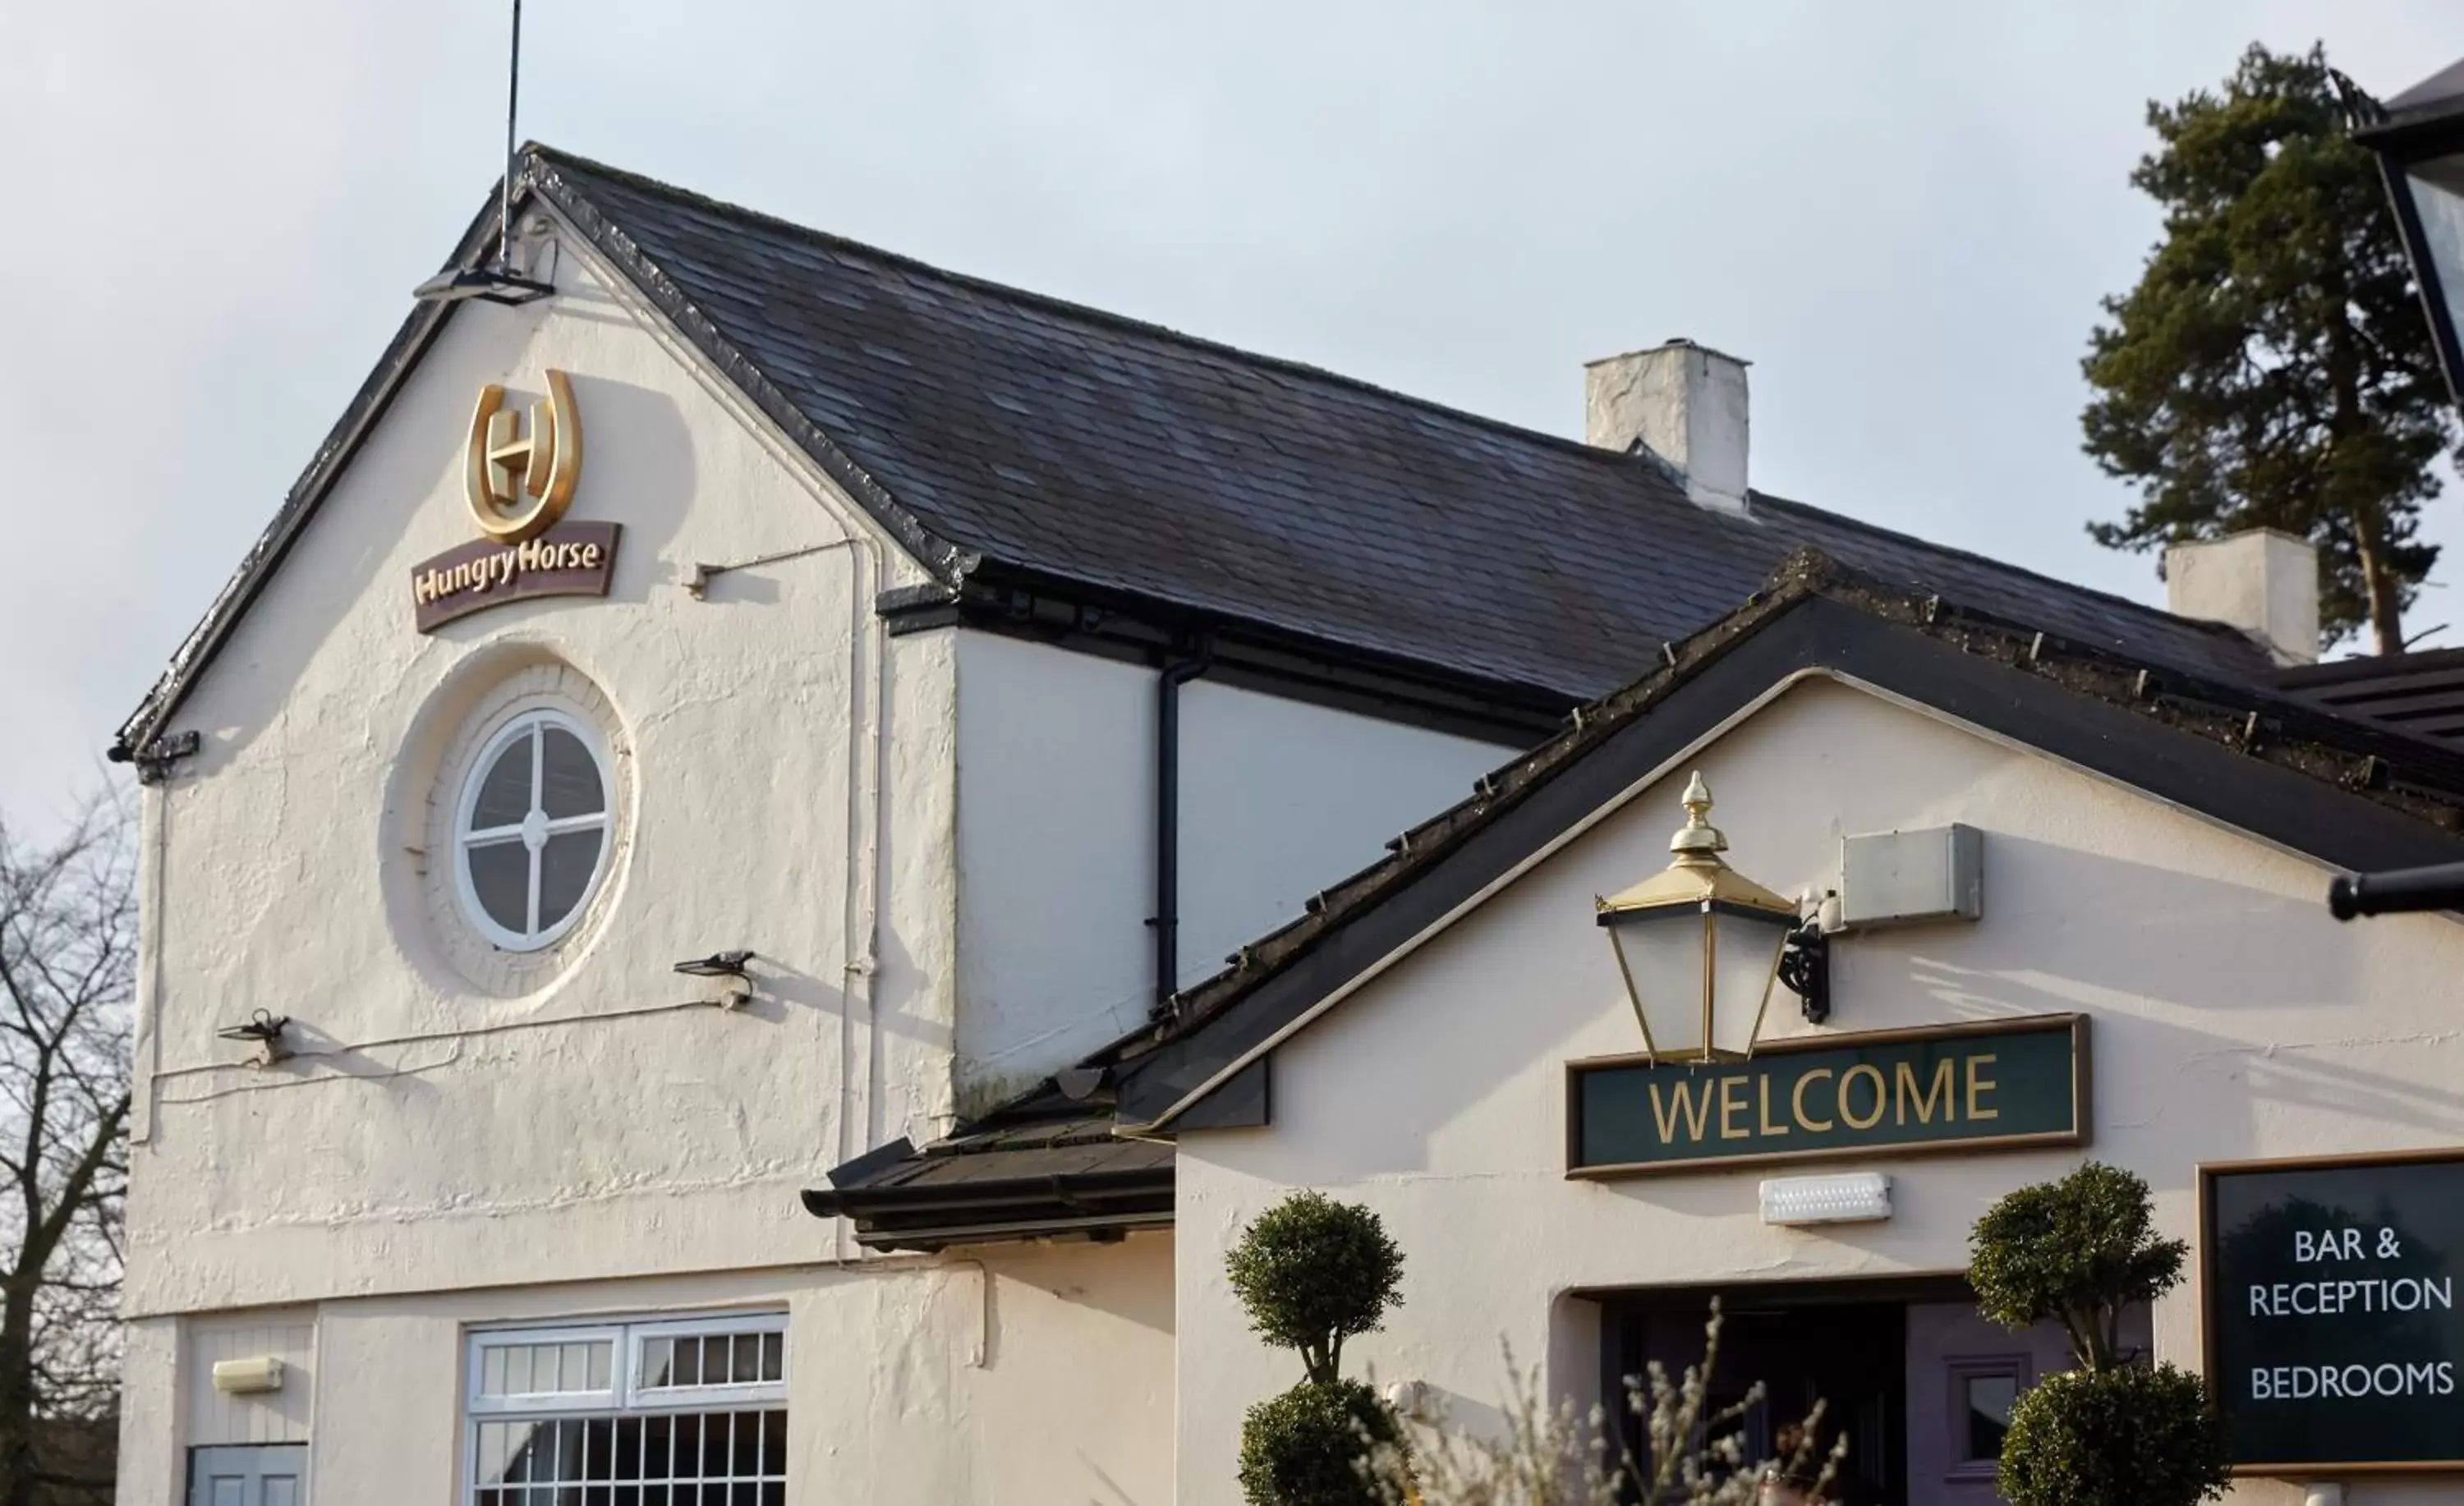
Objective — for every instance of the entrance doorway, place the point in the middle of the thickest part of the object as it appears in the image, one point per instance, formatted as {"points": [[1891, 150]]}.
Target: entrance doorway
{"points": [[1846, 1356], [1917, 1381]]}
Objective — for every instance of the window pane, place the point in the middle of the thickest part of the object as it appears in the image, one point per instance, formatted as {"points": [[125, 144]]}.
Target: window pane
{"points": [[599, 1449], [517, 1369], [565, 865], [1989, 1413], [492, 1372], [688, 1447], [774, 1445], [505, 790], [688, 1367], [574, 1374], [714, 1360], [603, 1362], [500, 876], [658, 1359], [714, 1430], [773, 1357], [748, 1358], [568, 779], [493, 1449]]}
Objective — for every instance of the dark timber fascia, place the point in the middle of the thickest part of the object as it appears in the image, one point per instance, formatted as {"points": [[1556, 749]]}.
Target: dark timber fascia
{"points": [[2203, 747]]}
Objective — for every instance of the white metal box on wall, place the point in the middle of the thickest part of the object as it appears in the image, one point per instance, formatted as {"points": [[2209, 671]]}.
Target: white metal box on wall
{"points": [[1903, 878]]}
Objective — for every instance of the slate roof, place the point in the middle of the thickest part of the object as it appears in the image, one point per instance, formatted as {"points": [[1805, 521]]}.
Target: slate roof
{"points": [[1098, 449], [997, 432]]}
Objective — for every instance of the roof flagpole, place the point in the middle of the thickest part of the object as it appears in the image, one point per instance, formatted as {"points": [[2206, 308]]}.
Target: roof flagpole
{"points": [[513, 108]]}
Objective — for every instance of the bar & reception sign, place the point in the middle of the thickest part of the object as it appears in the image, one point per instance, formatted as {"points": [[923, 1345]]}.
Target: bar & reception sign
{"points": [[2003, 1084], [2333, 1338]]}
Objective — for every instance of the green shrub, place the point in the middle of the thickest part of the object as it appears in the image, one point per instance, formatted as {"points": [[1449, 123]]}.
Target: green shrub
{"points": [[1314, 1271], [2077, 1251], [2131, 1436], [1305, 1448], [2112, 1432]]}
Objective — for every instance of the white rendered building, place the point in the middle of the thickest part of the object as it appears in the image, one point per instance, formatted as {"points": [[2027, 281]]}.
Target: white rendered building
{"points": [[769, 728]]}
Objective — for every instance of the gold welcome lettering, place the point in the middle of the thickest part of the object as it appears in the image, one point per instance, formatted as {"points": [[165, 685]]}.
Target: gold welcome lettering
{"points": [[1939, 1094], [1691, 1108]]}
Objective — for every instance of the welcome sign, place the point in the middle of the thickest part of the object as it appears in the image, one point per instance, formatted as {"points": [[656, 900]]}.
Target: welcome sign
{"points": [[2005, 1084], [2334, 1342]]}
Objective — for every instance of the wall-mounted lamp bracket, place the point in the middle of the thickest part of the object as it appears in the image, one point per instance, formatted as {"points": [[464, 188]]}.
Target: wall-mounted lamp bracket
{"points": [[723, 965], [1805, 969]]}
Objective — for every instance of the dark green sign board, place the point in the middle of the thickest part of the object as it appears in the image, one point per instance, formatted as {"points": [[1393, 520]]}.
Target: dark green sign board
{"points": [[2333, 1337], [1967, 1088]]}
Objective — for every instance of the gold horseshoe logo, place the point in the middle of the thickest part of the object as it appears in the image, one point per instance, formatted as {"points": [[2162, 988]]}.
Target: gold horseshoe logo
{"points": [[520, 484]]}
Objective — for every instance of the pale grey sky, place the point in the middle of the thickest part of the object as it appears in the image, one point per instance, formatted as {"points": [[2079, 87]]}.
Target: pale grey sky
{"points": [[1902, 213]]}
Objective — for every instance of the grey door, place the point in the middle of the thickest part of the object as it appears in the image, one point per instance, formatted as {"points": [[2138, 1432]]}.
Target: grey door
{"points": [[248, 1474]]}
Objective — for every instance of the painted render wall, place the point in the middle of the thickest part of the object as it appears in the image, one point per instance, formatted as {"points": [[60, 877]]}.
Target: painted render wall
{"points": [[1034, 1375], [1279, 798], [2233, 1018], [446, 1128]]}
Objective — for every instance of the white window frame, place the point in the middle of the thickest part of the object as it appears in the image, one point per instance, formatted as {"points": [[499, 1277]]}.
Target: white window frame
{"points": [[622, 1397], [638, 1398], [477, 1403], [466, 803]]}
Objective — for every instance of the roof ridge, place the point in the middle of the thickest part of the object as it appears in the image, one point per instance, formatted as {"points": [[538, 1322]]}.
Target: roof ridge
{"points": [[1283, 364], [2116, 598]]}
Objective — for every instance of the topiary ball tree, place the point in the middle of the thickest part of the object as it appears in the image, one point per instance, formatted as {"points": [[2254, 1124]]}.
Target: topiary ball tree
{"points": [[2114, 1431], [2093, 1437], [1304, 1448], [2077, 1251], [1312, 1273]]}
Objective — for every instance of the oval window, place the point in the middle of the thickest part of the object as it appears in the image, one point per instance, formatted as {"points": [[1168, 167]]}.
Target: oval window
{"points": [[531, 836]]}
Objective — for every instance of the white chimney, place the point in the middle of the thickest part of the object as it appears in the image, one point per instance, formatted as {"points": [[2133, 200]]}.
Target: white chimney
{"points": [[1686, 405], [2262, 580]]}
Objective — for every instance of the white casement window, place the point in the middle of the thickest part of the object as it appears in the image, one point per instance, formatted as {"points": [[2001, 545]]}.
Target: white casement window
{"points": [[676, 1412], [530, 836]]}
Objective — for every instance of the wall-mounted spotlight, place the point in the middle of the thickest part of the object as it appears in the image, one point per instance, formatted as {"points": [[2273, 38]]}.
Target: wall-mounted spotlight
{"points": [[723, 965], [264, 1031], [492, 284]]}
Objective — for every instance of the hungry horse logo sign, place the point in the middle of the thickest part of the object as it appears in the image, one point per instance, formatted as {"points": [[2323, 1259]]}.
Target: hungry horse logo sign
{"points": [[518, 486]]}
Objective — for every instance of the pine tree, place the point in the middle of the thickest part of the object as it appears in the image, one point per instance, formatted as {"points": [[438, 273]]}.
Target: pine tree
{"points": [[2273, 367]]}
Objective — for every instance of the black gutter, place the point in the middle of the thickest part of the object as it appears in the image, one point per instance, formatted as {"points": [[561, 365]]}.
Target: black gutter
{"points": [[1166, 920]]}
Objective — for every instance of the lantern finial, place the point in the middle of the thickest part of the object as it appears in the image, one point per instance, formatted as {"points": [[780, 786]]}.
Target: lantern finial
{"points": [[1697, 843]]}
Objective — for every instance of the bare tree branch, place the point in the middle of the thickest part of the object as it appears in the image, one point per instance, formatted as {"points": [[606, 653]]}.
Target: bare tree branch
{"points": [[68, 953]]}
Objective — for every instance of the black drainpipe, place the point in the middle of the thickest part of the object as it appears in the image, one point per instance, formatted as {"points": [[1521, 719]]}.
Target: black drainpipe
{"points": [[1166, 921]]}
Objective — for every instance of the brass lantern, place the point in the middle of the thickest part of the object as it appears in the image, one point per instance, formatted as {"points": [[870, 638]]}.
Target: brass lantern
{"points": [[1700, 947]]}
